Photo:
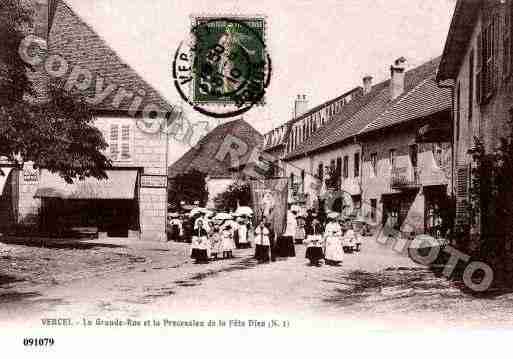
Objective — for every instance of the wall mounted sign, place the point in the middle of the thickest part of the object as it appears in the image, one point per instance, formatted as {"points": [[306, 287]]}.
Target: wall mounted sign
{"points": [[154, 181]]}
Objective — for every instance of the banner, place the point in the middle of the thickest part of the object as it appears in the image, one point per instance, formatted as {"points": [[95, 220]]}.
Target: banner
{"points": [[269, 198]]}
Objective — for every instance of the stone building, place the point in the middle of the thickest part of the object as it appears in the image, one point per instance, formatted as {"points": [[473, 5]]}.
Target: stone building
{"points": [[133, 200], [406, 163], [478, 64], [388, 115]]}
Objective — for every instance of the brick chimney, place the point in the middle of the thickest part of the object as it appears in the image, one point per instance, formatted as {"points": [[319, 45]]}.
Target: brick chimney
{"points": [[397, 71], [300, 105], [367, 84]]}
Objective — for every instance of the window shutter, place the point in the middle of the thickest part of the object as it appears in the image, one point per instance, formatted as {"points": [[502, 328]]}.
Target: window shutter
{"points": [[506, 33], [462, 181], [496, 49], [114, 142], [125, 142], [479, 68], [509, 28]]}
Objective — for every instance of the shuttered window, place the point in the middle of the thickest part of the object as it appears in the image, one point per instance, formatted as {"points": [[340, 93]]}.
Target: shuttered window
{"points": [[374, 163], [462, 185], [120, 142], [346, 166], [506, 38], [488, 73], [357, 165], [114, 142]]}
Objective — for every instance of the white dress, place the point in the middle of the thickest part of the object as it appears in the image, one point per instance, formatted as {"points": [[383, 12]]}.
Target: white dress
{"points": [[227, 242], [333, 242], [290, 230], [243, 234]]}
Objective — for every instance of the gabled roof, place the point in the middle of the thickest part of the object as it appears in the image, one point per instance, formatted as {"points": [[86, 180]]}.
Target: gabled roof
{"points": [[423, 100], [202, 156], [80, 45], [460, 32], [377, 105]]}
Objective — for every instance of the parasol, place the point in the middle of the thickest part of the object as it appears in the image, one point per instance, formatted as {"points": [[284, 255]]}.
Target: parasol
{"points": [[244, 211]]}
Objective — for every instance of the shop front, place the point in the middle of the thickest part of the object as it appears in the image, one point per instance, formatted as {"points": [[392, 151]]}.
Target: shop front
{"points": [[108, 207]]}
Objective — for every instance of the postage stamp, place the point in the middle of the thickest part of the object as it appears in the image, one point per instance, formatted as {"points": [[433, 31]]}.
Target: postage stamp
{"points": [[224, 68]]}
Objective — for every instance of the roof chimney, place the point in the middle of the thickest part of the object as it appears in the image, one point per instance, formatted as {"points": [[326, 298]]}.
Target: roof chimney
{"points": [[397, 71], [300, 105], [367, 84]]}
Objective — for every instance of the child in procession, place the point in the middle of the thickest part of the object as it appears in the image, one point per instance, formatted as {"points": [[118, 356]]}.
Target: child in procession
{"points": [[314, 242], [333, 252]]}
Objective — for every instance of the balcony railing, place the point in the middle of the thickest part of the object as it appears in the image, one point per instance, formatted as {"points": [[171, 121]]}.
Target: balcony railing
{"points": [[405, 177]]}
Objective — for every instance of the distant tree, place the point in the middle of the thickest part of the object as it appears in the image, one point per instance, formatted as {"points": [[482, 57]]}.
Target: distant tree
{"points": [[188, 187], [237, 193], [57, 134]]}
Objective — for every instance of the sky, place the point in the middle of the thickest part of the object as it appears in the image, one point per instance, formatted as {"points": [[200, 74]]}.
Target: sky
{"points": [[318, 48]]}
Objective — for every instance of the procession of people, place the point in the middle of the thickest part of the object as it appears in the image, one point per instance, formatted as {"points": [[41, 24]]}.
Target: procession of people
{"points": [[216, 235]]}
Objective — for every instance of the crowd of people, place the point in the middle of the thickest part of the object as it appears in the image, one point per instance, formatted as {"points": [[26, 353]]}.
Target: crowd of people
{"points": [[214, 236]]}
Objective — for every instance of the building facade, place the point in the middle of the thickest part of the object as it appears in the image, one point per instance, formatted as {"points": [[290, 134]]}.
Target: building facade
{"points": [[478, 64], [132, 201], [403, 119]]}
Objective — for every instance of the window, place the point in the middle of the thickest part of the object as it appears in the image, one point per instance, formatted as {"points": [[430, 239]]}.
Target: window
{"points": [[470, 89], [374, 163], [357, 164], [413, 155], [320, 171], [302, 181], [346, 166], [391, 155], [291, 179], [487, 58], [457, 107], [374, 205], [339, 168], [437, 154], [120, 142], [506, 38]]}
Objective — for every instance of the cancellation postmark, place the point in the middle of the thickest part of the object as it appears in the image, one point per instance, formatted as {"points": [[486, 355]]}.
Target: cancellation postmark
{"points": [[224, 68]]}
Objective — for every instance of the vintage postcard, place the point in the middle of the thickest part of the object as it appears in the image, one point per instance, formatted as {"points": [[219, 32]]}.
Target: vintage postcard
{"points": [[211, 175]]}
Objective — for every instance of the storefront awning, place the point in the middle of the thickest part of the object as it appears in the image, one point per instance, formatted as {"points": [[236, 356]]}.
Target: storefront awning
{"points": [[4, 175], [119, 185]]}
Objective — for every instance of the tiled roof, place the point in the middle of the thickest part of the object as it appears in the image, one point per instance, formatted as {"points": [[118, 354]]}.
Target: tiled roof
{"points": [[460, 32], [80, 45], [360, 113], [424, 100], [283, 139], [202, 157]]}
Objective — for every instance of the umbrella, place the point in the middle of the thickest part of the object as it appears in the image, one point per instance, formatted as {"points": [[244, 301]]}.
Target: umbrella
{"points": [[199, 210], [244, 211], [333, 215], [174, 215], [426, 241], [222, 216]]}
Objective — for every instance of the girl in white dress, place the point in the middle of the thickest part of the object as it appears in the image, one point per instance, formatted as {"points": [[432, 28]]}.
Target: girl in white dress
{"points": [[333, 253], [227, 243]]}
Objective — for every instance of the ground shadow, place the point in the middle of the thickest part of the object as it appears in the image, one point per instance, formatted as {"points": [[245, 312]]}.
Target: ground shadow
{"points": [[17, 296], [391, 284], [8, 279], [56, 243]]}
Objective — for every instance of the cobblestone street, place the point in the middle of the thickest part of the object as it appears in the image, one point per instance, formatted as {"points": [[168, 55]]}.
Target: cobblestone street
{"points": [[128, 279]]}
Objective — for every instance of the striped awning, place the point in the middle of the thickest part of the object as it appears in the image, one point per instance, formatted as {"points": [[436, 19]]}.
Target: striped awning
{"points": [[120, 184], [4, 175]]}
